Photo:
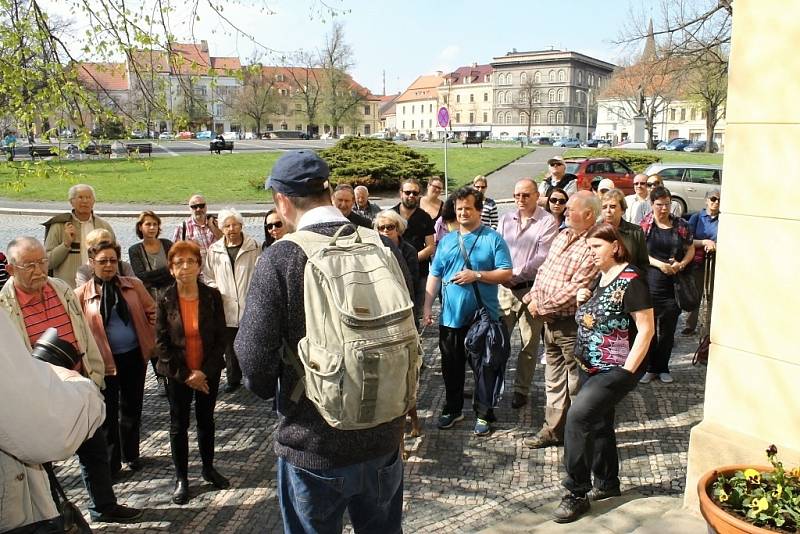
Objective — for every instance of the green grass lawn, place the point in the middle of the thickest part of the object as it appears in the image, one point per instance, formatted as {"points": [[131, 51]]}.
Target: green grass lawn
{"points": [[226, 178], [664, 155]]}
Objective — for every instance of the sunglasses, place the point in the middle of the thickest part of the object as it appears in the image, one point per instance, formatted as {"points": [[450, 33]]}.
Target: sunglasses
{"points": [[652, 184], [713, 199], [270, 226], [559, 201], [479, 187], [198, 206], [643, 184], [522, 195], [386, 227], [411, 193], [109, 261], [556, 164]]}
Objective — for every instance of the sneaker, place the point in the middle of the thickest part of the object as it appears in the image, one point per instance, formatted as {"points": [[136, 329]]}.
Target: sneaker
{"points": [[666, 378], [540, 441], [571, 508], [447, 420], [118, 514], [518, 401], [482, 427], [647, 378], [597, 494]]}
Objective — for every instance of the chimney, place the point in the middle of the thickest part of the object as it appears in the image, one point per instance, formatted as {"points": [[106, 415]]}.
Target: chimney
{"points": [[438, 73], [204, 46], [474, 64]]}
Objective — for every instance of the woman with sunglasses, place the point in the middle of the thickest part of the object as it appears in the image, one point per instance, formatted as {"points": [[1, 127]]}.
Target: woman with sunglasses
{"points": [[430, 202], [703, 225], [190, 342], [274, 228], [670, 248], [489, 215], [392, 225], [121, 315], [557, 206]]}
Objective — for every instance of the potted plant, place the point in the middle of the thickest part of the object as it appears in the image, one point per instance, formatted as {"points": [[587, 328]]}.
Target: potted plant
{"points": [[751, 499]]}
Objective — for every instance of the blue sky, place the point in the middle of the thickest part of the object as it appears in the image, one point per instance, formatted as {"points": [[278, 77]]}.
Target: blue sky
{"points": [[407, 38]]}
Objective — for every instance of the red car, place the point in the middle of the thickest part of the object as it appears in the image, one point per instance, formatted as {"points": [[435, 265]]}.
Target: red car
{"points": [[184, 135], [587, 168]]}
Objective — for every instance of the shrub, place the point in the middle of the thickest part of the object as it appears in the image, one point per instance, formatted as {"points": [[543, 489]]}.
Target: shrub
{"points": [[375, 163]]}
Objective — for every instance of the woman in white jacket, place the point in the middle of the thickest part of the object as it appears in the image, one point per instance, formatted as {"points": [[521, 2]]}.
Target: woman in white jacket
{"points": [[229, 266]]}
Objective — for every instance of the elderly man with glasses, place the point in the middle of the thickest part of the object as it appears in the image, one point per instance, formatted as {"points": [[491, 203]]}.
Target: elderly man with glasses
{"points": [[200, 227], [704, 225], [558, 177], [638, 204]]}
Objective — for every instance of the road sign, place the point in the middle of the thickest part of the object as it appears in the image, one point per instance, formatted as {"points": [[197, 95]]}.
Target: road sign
{"points": [[443, 117]]}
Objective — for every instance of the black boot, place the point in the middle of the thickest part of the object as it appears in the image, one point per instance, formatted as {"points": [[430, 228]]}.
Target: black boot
{"points": [[181, 493], [212, 475]]}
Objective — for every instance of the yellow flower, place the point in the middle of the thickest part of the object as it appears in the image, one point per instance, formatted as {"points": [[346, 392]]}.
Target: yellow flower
{"points": [[760, 504], [723, 496], [752, 476], [778, 492]]}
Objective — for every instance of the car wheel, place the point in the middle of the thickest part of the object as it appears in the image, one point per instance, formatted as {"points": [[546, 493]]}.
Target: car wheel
{"points": [[682, 205]]}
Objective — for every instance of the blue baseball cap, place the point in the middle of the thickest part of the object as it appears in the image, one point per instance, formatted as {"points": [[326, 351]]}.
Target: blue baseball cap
{"points": [[299, 173]]}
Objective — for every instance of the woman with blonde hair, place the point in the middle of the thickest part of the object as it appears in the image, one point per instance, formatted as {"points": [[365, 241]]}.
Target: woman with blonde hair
{"points": [[86, 271]]}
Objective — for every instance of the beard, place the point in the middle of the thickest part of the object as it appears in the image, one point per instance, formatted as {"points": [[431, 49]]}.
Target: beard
{"points": [[410, 203]]}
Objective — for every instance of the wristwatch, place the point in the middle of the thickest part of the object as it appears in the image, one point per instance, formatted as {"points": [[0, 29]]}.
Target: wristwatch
{"points": [[478, 274]]}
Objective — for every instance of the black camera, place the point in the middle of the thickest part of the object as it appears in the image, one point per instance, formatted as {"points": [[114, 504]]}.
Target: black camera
{"points": [[52, 349]]}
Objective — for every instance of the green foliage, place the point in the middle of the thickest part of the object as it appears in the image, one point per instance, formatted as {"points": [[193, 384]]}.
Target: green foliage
{"points": [[375, 163], [769, 499], [638, 160]]}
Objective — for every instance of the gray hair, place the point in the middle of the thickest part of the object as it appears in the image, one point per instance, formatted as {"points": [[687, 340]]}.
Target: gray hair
{"points": [[393, 216], [227, 213], [19, 243], [588, 201], [361, 189], [75, 189], [713, 192]]}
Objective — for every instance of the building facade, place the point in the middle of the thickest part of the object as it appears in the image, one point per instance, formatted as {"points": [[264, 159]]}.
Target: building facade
{"points": [[468, 94], [417, 106]]}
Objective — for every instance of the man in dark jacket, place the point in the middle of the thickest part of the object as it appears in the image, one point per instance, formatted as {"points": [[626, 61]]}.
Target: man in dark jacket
{"points": [[365, 462]]}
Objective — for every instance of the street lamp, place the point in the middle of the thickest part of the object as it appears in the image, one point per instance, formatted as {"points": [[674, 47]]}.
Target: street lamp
{"points": [[588, 98]]}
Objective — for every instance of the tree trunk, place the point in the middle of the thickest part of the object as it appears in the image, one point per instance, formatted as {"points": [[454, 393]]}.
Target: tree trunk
{"points": [[711, 123]]}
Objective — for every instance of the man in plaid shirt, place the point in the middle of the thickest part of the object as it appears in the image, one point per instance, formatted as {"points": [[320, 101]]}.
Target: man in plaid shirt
{"points": [[568, 267], [200, 228]]}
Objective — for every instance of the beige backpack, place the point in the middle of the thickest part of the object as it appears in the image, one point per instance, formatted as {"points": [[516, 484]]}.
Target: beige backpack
{"points": [[360, 358]]}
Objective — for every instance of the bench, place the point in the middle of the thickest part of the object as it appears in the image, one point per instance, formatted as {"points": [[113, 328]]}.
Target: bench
{"points": [[97, 149], [41, 151], [217, 145], [473, 141], [140, 148]]}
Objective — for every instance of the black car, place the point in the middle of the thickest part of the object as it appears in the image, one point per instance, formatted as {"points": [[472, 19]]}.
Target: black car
{"points": [[700, 146], [289, 134]]}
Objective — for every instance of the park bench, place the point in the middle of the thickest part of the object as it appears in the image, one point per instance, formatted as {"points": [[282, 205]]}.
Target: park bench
{"points": [[218, 145], [41, 151], [94, 149], [473, 141], [139, 148]]}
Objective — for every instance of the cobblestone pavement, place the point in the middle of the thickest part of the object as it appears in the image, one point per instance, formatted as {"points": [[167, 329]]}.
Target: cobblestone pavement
{"points": [[455, 482]]}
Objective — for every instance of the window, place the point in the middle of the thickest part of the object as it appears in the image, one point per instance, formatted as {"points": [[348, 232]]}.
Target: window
{"points": [[284, 126], [609, 114], [536, 96], [501, 79], [562, 76], [672, 134], [485, 116], [578, 117], [591, 79], [471, 118], [509, 79], [485, 97], [430, 108], [471, 97], [580, 76], [444, 99], [671, 174], [537, 77], [508, 117], [366, 110], [404, 111], [367, 129], [551, 95], [551, 76], [523, 77], [500, 117], [551, 117], [501, 97], [412, 110], [703, 176], [672, 114], [430, 122], [560, 95], [412, 124], [535, 117], [693, 114], [458, 118], [560, 117], [458, 99], [523, 118], [619, 168], [404, 125], [683, 114]]}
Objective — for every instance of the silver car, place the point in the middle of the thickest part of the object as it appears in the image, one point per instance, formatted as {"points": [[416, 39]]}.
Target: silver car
{"points": [[688, 182]]}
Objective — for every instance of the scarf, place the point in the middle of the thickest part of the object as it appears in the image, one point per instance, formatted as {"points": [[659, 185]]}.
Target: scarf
{"points": [[110, 297]]}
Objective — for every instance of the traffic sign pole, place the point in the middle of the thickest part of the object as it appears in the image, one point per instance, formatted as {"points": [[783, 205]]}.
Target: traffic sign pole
{"points": [[444, 120]]}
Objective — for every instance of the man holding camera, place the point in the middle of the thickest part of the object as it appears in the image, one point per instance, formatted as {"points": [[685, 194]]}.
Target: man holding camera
{"points": [[200, 227], [33, 432], [36, 302]]}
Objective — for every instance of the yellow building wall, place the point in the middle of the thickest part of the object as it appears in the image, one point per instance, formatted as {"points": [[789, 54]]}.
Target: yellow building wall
{"points": [[753, 384]]}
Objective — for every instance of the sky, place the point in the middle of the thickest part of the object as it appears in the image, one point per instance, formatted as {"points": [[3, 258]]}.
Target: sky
{"points": [[409, 38]]}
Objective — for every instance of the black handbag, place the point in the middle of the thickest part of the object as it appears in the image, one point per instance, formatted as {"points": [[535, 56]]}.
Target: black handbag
{"points": [[687, 294], [72, 519]]}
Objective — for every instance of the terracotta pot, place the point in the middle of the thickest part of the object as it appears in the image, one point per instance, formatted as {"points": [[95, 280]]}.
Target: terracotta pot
{"points": [[719, 521]]}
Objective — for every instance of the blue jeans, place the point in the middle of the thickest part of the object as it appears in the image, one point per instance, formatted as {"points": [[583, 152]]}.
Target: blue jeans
{"points": [[314, 501], [96, 473]]}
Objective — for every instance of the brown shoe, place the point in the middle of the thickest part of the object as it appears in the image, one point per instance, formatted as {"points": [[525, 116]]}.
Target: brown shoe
{"points": [[540, 441], [518, 400]]}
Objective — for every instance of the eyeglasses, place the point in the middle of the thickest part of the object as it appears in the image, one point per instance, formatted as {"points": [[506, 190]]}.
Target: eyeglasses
{"points": [[386, 227], [411, 193], [479, 187], [185, 263], [270, 226], [31, 265], [650, 185], [713, 199], [198, 206], [107, 261], [556, 164], [556, 200], [643, 184], [522, 195], [661, 206]]}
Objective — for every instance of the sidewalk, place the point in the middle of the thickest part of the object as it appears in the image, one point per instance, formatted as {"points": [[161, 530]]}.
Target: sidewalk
{"points": [[454, 481]]}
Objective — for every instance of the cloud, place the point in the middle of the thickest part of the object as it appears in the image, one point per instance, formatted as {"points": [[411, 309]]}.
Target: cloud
{"points": [[449, 52]]}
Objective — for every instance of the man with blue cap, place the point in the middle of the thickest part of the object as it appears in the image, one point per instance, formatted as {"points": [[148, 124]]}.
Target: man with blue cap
{"points": [[365, 463]]}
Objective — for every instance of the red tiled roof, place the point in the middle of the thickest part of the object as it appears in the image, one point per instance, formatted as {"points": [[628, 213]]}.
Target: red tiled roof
{"points": [[226, 63], [311, 73], [423, 88], [475, 74], [187, 58], [109, 76]]}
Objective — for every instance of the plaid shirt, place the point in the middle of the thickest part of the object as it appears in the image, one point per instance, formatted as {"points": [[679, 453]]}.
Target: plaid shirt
{"points": [[567, 268], [202, 235]]}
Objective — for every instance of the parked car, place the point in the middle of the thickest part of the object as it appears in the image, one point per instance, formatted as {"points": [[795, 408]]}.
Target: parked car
{"points": [[166, 135], [597, 142], [205, 134], [567, 142], [400, 137], [628, 145], [604, 143], [662, 145], [587, 168], [289, 134], [541, 140], [184, 135], [688, 182], [249, 136], [230, 136], [677, 144], [700, 146]]}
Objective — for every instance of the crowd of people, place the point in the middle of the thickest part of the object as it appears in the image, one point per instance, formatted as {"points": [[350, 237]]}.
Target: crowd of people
{"points": [[588, 273]]}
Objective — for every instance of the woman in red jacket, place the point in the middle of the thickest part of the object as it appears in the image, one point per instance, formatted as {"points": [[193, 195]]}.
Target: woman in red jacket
{"points": [[121, 315]]}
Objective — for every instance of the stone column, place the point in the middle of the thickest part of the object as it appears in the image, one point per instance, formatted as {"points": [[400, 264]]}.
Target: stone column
{"points": [[753, 385]]}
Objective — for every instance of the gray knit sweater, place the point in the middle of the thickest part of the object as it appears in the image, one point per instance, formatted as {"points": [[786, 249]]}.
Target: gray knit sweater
{"points": [[274, 311]]}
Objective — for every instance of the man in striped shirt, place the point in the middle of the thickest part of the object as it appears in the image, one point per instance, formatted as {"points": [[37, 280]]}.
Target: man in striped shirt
{"points": [[36, 302], [567, 268]]}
